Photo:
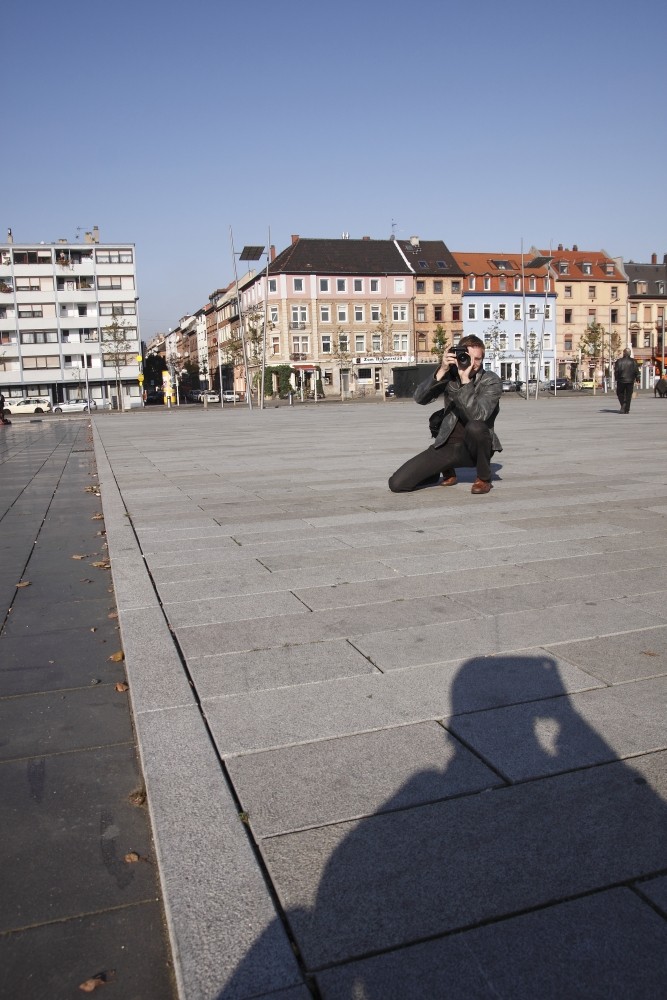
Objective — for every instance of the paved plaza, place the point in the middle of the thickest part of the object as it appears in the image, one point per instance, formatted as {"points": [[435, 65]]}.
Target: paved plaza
{"points": [[394, 746]]}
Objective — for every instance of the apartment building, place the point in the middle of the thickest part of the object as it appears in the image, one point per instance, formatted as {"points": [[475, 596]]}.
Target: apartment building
{"points": [[345, 306], [438, 295], [591, 289], [509, 302], [68, 320], [647, 301]]}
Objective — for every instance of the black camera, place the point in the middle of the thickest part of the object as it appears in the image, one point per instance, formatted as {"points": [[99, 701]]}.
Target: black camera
{"points": [[463, 359]]}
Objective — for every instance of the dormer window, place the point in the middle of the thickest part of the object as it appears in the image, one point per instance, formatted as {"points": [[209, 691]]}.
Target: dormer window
{"points": [[587, 268], [563, 267], [609, 268], [471, 282]]}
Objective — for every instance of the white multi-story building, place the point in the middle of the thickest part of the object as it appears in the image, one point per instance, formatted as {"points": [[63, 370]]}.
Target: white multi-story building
{"points": [[68, 321]]}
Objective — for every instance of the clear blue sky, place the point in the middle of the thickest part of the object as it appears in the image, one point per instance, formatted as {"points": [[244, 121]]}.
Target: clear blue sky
{"points": [[481, 124]]}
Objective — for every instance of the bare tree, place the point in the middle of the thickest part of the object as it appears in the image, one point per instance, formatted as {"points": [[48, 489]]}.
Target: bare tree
{"points": [[381, 342], [341, 354], [115, 352]]}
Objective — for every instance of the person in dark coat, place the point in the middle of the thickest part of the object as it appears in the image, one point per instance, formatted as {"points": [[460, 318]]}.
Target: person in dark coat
{"points": [[626, 371], [660, 387]]}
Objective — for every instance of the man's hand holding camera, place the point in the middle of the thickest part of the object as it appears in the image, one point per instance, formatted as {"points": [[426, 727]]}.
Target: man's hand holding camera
{"points": [[461, 360]]}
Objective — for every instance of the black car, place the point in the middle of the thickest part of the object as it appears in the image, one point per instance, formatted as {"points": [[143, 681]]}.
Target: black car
{"points": [[389, 391], [154, 398], [560, 383]]}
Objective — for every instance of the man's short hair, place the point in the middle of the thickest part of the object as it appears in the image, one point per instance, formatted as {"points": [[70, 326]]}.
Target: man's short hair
{"points": [[471, 341], [626, 352]]}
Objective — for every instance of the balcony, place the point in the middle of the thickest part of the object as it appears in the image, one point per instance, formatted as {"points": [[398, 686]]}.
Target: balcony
{"points": [[297, 326], [300, 357]]}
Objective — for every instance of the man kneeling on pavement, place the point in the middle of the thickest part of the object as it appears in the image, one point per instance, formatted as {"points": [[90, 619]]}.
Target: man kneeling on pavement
{"points": [[465, 437]]}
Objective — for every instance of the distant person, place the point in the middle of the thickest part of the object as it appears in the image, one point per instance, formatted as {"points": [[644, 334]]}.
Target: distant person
{"points": [[626, 371], [464, 435], [660, 387]]}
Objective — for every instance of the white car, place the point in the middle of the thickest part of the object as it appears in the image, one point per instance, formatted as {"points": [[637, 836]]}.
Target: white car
{"points": [[75, 406], [31, 404], [230, 397], [211, 397]]}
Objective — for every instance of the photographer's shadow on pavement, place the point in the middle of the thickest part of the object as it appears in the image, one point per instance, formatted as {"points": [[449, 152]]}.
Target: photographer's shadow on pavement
{"points": [[546, 879]]}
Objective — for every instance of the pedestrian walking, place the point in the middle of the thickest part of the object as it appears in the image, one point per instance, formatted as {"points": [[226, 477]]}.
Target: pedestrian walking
{"points": [[626, 371]]}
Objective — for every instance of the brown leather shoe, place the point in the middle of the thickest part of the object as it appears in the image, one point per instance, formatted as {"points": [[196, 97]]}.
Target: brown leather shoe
{"points": [[481, 486], [449, 478]]}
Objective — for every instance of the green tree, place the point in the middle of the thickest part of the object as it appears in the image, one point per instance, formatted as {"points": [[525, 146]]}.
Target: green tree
{"points": [[439, 343], [591, 345], [341, 354]]}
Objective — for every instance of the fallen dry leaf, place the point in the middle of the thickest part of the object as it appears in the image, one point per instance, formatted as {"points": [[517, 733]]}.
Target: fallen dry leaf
{"points": [[138, 797], [91, 984], [93, 629], [132, 857], [122, 686], [112, 614], [117, 657], [79, 557], [649, 652], [23, 583], [101, 565], [97, 517]]}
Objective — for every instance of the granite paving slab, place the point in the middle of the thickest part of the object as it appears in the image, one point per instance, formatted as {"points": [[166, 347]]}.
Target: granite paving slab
{"points": [[339, 707], [614, 659], [331, 780], [79, 658], [235, 673], [606, 946], [530, 741], [360, 887], [39, 615], [231, 608]]}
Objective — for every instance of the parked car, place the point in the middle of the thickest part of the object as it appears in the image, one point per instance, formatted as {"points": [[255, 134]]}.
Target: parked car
{"points": [[29, 404], [560, 383], [154, 398], [389, 391], [75, 406], [228, 396], [590, 383], [510, 386], [193, 395], [211, 396]]}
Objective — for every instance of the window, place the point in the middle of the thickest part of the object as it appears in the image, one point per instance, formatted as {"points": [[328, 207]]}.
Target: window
{"points": [[647, 340], [30, 312], [586, 268], [400, 342], [486, 310], [423, 265], [399, 285], [517, 341], [532, 311], [568, 315], [399, 312], [325, 314], [376, 343], [364, 374], [273, 284], [487, 283], [647, 314], [358, 314], [42, 362], [456, 287], [341, 284], [641, 287], [114, 309], [358, 284], [300, 345], [299, 317], [547, 341], [437, 314], [421, 314], [298, 284], [343, 342], [326, 344], [341, 314], [113, 256], [275, 345], [472, 310], [517, 311], [614, 291], [375, 284], [456, 314], [567, 292], [614, 315], [591, 317], [609, 268], [324, 284], [421, 286], [502, 311], [471, 282], [568, 343], [517, 284], [375, 314], [103, 281], [563, 267], [547, 310], [273, 314], [360, 343], [437, 288], [591, 291], [40, 337], [8, 337]]}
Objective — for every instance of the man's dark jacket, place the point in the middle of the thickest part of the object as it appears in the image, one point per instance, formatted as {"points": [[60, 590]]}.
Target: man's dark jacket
{"points": [[477, 400], [626, 369]]}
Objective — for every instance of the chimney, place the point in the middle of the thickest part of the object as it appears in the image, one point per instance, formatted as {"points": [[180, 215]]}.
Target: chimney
{"points": [[96, 234], [10, 238], [365, 237], [575, 247], [87, 237], [272, 252], [295, 238], [560, 246], [654, 258]]}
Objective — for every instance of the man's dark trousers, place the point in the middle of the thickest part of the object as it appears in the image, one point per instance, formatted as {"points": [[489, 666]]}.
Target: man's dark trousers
{"points": [[472, 449], [624, 392]]}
